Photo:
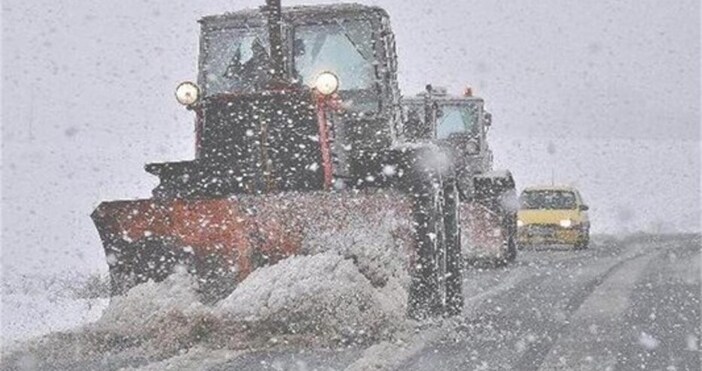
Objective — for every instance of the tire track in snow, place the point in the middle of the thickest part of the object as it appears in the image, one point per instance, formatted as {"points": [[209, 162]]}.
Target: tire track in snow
{"points": [[391, 356], [537, 354], [582, 344]]}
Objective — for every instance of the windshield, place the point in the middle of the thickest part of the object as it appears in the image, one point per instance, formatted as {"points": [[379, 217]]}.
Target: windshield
{"points": [[457, 119], [235, 60], [342, 47], [553, 200]]}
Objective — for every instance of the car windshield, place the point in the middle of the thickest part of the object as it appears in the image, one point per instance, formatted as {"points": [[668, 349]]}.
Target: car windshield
{"points": [[343, 47], [552, 200], [234, 60], [457, 119]]}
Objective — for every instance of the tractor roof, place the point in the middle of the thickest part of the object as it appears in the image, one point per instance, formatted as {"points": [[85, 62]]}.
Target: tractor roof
{"points": [[306, 13], [441, 94], [560, 187]]}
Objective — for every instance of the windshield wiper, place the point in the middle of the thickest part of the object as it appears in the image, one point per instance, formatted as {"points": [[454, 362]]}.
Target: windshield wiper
{"points": [[353, 43]]}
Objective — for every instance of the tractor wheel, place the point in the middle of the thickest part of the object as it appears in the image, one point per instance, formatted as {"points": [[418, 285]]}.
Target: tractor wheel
{"points": [[511, 249], [427, 291], [511, 238], [454, 257]]}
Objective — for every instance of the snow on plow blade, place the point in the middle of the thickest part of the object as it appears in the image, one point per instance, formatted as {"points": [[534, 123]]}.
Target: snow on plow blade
{"points": [[222, 240], [483, 232], [488, 220]]}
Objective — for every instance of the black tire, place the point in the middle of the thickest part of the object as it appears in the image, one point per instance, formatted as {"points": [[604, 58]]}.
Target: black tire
{"points": [[511, 254], [585, 242], [427, 289], [454, 255]]}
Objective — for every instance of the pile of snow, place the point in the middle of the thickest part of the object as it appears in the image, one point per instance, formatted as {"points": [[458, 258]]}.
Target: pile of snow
{"points": [[324, 294], [145, 305], [324, 299]]}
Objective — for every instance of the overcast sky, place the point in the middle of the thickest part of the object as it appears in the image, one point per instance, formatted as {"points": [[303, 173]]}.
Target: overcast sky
{"points": [[87, 92]]}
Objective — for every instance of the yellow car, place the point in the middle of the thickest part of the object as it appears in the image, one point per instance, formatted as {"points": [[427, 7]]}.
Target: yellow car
{"points": [[552, 215]]}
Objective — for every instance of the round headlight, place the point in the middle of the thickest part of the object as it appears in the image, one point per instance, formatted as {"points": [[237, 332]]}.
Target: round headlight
{"points": [[187, 93], [326, 83], [520, 223], [566, 223]]}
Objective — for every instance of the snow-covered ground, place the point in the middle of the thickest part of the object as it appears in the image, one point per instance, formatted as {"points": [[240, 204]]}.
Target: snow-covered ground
{"points": [[324, 299], [29, 316]]}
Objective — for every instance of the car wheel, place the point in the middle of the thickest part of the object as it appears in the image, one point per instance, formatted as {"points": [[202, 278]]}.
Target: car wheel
{"points": [[584, 242]]}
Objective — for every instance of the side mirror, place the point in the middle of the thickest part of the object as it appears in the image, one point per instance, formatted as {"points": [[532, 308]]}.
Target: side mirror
{"points": [[439, 111], [584, 208], [488, 119]]}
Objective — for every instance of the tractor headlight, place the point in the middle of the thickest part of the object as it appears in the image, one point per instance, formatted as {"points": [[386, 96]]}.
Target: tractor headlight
{"points": [[187, 93], [326, 83], [520, 223], [566, 223]]}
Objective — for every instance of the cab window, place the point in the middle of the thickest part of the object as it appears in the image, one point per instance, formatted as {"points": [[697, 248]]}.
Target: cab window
{"points": [[456, 119], [342, 47], [233, 58]]}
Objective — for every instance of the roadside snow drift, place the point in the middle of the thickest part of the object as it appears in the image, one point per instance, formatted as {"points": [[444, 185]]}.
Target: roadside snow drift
{"points": [[338, 296], [325, 295]]}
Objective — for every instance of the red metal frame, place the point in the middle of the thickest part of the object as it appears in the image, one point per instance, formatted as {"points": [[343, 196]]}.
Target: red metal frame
{"points": [[325, 103]]}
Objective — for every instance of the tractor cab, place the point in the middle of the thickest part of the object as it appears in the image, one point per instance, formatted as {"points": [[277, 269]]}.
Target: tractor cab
{"points": [[458, 123], [329, 48], [287, 99]]}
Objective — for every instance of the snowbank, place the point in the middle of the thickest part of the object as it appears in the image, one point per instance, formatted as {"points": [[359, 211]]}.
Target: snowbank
{"points": [[324, 294], [145, 305], [323, 299]]}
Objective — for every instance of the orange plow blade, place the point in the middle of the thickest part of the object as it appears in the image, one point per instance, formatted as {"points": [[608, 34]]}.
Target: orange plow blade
{"points": [[483, 232], [222, 240]]}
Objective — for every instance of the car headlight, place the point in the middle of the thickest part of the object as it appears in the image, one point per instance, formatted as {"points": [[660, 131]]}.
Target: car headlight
{"points": [[326, 83], [187, 93], [566, 223], [520, 223]]}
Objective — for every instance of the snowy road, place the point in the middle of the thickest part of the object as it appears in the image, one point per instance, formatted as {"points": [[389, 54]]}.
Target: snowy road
{"points": [[620, 305]]}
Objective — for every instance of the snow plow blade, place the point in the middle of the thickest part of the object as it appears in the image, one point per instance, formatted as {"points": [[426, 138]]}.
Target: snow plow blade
{"points": [[483, 233], [222, 240], [488, 220]]}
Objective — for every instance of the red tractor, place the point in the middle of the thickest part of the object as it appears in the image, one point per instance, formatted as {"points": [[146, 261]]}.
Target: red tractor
{"points": [[298, 133]]}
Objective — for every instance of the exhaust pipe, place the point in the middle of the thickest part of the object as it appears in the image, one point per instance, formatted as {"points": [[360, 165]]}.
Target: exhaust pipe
{"points": [[275, 38]]}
